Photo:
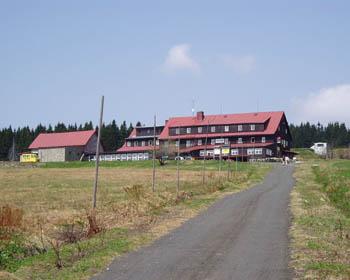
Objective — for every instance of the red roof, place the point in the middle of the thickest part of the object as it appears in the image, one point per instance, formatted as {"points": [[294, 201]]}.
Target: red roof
{"points": [[62, 139], [273, 118]]}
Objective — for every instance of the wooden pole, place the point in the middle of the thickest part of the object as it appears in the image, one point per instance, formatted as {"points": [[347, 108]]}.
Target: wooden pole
{"points": [[178, 169], [98, 153], [154, 156]]}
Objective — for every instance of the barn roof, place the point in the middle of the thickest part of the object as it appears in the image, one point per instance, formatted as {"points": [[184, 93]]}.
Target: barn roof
{"points": [[62, 139], [272, 118]]}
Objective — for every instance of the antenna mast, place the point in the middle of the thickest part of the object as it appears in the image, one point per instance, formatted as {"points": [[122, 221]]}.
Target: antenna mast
{"points": [[193, 110]]}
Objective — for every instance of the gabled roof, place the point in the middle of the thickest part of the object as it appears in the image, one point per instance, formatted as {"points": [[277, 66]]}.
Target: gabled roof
{"points": [[272, 118], [62, 139]]}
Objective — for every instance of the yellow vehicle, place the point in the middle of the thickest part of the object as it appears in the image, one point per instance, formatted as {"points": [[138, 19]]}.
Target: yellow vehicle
{"points": [[28, 157]]}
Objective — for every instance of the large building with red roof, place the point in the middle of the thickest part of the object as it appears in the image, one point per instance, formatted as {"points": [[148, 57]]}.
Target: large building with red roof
{"points": [[238, 136], [140, 143], [64, 146]]}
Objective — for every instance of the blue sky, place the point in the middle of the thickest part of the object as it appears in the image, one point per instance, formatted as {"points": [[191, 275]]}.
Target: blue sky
{"points": [[147, 57]]}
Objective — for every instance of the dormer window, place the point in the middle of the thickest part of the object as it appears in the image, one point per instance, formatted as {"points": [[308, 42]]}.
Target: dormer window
{"points": [[212, 129], [252, 127], [240, 127], [227, 128], [188, 130]]}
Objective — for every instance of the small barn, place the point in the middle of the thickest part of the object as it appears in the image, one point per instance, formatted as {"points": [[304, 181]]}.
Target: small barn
{"points": [[64, 146]]}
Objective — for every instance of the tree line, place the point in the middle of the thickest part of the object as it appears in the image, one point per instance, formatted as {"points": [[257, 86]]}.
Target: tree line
{"points": [[335, 134], [112, 135]]}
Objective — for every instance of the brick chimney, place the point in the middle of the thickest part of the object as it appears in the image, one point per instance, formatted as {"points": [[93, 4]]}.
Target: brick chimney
{"points": [[200, 116]]}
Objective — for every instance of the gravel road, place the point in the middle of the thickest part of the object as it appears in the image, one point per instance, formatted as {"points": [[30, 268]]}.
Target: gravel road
{"points": [[242, 236]]}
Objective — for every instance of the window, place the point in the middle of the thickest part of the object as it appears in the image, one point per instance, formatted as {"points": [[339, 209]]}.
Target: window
{"points": [[250, 151], [212, 129], [188, 143], [199, 129], [128, 144], [252, 139], [188, 130], [157, 142], [136, 143], [212, 141], [258, 151], [150, 143], [227, 128], [240, 127], [234, 152], [177, 142], [252, 127], [143, 143], [239, 141], [199, 142], [226, 141], [177, 131], [263, 139]]}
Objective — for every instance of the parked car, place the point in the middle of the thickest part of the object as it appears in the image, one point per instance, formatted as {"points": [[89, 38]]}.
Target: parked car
{"points": [[179, 158]]}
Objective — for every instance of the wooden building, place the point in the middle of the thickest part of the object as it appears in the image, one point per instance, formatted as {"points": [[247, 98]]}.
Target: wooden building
{"points": [[139, 145], [238, 136], [64, 146]]}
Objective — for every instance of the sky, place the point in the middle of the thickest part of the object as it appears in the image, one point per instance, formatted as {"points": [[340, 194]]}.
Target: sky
{"points": [[160, 57]]}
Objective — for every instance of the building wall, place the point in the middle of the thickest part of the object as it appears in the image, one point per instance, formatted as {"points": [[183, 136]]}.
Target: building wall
{"points": [[52, 154], [73, 153], [90, 147]]}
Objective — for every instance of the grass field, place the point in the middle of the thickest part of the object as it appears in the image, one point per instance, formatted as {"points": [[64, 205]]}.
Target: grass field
{"points": [[321, 224], [55, 200]]}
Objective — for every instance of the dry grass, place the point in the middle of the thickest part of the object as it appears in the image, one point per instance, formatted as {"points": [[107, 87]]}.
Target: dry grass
{"points": [[54, 197], [51, 196], [320, 241]]}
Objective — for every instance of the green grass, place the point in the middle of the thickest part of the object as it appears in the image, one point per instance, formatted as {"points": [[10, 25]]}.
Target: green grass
{"points": [[330, 267], [193, 165], [321, 224], [97, 251], [336, 184]]}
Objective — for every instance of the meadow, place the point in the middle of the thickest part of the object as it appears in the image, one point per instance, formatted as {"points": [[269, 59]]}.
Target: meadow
{"points": [[50, 204], [321, 225]]}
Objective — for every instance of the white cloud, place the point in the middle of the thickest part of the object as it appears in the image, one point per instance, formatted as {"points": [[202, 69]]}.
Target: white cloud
{"points": [[327, 105], [179, 58], [240, 64]]}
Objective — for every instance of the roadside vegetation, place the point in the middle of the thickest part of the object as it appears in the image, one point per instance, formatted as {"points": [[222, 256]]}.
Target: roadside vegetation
{"points": [[45, 218], [321, 225]]}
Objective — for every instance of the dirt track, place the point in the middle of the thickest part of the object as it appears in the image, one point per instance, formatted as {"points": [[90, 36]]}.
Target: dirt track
{"points": [[242, 236]]}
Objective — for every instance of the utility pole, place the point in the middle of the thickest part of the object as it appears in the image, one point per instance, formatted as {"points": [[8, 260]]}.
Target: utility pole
{"points": [[154, 156], [98, 153], [178, 169]]}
